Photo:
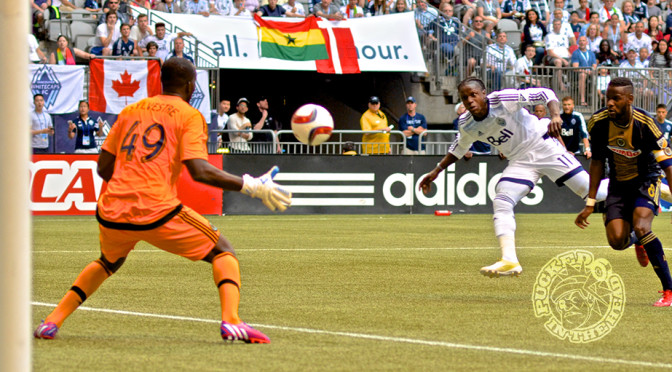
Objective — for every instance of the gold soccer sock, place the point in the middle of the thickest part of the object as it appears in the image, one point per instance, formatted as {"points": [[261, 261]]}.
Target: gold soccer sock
{"points": [[93, 275], [226, 272]]}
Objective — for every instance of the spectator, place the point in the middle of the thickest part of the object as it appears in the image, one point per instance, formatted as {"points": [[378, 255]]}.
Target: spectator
{"points": [[534, 34], [162, 40], [124, 46], [106, 34], [35, 55], [654, 10], [377, 7], [292, 7], [523, 69], [178, 51], [239, 9], [541, 7], [64, 55], [252, 6], [608, 56], [448, 31], [564, 14], [608, 10], [141, 31], [86, 130], [575, 22], [465, 10], [349, 148], [167, 6], [594, 38], [38, 7], [413, 125], [92, 6], [513, 9], [400, 6], [601, 84], [424, 16], [262, 119], [221, 7], [629, 67], [375, 120], [201, 7], [661, 57], [644, 56], [122, 16], [326, 9], [668, 24], [593, 20], [614, 31], [584, 11], [574, 131], [221, 119], [641, 10], [661, 121], [565, 27], [491, 13], [352, 10], [500, 60], [474, 44], [238, 121], [152, 51], [653, 29], [639, 39], [583, 57], [557, 53], [539, 111], [63, 5], [41, 126], [629, 16]]}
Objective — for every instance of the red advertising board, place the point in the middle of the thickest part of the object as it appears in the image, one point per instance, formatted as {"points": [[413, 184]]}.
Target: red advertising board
{"points": [[69, 185]]}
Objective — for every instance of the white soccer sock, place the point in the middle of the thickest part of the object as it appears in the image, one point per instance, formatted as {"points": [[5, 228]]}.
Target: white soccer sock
{"points": [[508, 245]]}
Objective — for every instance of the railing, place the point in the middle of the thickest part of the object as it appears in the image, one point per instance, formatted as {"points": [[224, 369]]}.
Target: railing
{"points": [[335, 144]]}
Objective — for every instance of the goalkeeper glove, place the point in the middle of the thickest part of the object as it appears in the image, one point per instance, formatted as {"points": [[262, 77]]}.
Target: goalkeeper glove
{"points": [[271, 194]]}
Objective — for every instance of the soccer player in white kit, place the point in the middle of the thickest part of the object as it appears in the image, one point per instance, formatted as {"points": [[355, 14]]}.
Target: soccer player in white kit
{"points": [[500, 120]]}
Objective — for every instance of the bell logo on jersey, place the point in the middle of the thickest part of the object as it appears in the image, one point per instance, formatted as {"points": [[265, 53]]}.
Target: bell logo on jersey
{"points": [[628, 153], [505, 135]]}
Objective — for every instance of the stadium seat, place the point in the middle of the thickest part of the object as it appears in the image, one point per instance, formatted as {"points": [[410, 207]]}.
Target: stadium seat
{"points": [[80, 32], [513, 38], [56, 27], [507, 25], [89, 43], [80, 3]]}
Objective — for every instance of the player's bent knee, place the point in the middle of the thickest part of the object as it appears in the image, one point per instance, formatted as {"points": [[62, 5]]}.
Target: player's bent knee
{"points": [[223, 246], [110, 267]]}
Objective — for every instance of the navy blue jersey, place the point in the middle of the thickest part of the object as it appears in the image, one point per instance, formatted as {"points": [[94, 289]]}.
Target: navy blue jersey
{"points": [[86, 133], [121, 48], [665, 127], [634, 151], [573, 131]]}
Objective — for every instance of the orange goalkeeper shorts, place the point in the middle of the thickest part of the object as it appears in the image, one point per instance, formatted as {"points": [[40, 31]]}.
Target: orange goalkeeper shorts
{"points": [[187, 234]]}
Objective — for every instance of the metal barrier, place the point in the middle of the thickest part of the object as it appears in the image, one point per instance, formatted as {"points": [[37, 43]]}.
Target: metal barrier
{"points": [[278, 146], [437, 142]]}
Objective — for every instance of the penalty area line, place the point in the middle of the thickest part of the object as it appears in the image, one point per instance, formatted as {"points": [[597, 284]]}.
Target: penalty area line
{"points": [[444, 344]]}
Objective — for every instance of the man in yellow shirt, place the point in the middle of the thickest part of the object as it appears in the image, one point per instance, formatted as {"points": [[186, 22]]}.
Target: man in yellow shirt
{"points": [[374, 119]]}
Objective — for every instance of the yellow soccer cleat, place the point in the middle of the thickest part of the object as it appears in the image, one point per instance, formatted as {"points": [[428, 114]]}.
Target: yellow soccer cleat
{"points": [[502, 268]]}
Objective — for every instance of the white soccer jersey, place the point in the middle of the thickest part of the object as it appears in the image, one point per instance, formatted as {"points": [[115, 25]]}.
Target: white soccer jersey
{"points": [[508, 126]]}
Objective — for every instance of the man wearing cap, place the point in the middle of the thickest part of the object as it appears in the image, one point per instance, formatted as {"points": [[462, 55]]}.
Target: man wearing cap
{"points": [[375, 120], [238, 121], [631, 62], [262, 119], [413, 125]]}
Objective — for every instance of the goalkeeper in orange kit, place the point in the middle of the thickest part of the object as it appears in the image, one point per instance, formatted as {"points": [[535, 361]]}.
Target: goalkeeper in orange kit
{"points": [[141, 161]]}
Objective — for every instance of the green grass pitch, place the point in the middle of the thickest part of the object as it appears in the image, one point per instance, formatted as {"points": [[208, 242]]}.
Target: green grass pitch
{"points": [[393, 292]]}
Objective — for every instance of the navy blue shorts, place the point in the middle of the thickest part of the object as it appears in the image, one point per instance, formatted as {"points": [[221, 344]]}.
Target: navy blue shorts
{"points": [[622, 199]]}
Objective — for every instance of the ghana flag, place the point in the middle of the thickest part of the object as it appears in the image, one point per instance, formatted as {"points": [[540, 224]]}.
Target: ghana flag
{"points": [[295, 41]]}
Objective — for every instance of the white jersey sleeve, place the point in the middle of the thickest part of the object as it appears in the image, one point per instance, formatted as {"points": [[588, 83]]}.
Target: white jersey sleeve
{"points": [[462, 144]]}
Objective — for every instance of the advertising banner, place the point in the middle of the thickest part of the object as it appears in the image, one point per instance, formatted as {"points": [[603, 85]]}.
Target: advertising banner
{"points": [[387, 43], [69, 185], [388, 184]]}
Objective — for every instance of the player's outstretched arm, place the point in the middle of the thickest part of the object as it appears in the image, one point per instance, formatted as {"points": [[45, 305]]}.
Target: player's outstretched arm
{"points": [[426, 183], [271, 194]]}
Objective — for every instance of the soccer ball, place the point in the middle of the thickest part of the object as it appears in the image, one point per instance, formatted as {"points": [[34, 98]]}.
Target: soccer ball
{"points": [[312, 124]]}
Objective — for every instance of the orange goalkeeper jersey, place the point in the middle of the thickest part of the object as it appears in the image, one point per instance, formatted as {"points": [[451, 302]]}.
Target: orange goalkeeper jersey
{"points": [[150, 139]]}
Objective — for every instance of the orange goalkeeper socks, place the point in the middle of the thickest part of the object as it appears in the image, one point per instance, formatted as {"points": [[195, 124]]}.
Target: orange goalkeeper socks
{"points": [[86, 283], [226, 272]]}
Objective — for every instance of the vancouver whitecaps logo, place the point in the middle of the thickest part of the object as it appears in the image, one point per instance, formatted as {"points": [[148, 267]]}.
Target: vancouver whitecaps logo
{"points": [[47, 84], [197, 97]]}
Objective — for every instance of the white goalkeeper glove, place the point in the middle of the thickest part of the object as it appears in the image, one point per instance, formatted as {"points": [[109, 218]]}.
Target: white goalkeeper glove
{"points": [[271, 194]]}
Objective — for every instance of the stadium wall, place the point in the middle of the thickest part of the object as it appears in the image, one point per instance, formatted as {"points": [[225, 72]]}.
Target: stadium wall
{"points": [[321, 184]]}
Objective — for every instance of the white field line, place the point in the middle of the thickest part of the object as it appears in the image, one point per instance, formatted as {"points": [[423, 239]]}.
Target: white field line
{"points": [[450, 345]]}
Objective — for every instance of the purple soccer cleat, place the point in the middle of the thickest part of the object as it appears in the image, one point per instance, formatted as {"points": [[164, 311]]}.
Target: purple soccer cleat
{"points": [[46, 331], [243, 332]]}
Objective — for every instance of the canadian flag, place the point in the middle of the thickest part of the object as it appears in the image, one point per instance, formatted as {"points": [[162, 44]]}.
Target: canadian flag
{"points": [[341, 47], [114, 85]]}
